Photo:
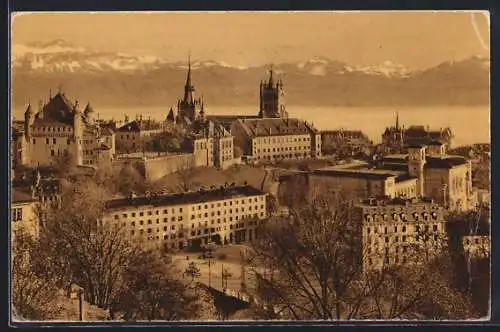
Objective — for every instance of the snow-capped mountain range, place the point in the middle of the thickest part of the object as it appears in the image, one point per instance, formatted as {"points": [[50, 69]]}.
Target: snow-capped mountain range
{"points": [[129, 78]]}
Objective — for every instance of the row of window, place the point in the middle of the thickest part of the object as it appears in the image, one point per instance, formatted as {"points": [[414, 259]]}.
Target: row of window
{"points": [[401, 216], [180, 218], [149, 213], [285, 139], [59, 129], [284, 156], [403, 229], [286, 148]]}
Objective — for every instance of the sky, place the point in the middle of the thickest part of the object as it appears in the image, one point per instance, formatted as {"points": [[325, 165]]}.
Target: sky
{"points": [[417, 40]]}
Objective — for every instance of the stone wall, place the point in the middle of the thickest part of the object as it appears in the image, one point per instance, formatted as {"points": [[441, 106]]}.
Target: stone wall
{"points": [[156, 168]]}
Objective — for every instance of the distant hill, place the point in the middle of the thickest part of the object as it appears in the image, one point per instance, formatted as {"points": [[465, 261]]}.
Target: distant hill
{"points": [[116, 79]]}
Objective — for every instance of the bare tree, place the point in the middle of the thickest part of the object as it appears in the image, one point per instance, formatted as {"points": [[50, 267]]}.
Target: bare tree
{"points": [[32, 294], [309, 266], [185, 173], [152, 292]]}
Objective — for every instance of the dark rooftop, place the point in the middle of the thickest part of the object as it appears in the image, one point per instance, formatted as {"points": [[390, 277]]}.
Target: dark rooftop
{"points": [[444, 162], [366, 174], [21, 196], [185, 198]]}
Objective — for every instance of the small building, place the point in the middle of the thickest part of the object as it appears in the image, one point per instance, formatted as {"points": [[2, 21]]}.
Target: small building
{"points": [[24, 213], [136, 136]]}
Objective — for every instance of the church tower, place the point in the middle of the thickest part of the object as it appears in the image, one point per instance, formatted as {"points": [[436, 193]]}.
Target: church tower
{"points": [[188, 106], [272, 98]]}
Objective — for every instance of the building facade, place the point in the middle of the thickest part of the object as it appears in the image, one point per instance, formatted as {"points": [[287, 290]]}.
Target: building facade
{"points": [[23, 214], [273, 139], [189, 220], [394, 231], [58, 129], [136, 136]]}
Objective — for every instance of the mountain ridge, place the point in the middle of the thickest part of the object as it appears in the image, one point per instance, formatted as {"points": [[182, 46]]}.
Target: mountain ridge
{"points": [[120, 79]]}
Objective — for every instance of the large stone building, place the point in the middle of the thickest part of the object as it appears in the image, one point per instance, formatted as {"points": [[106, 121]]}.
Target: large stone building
{"points": [[58, 129], [271, 135], [423, 172], [395, 231], [396, 139], [188, 220], [272, 139]]}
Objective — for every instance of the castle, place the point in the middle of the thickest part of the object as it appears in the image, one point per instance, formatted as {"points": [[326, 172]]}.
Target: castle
{"points": [[60, 129]]}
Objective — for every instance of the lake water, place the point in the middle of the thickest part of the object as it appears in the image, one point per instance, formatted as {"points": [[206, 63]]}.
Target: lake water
{"points": [[469, 124]]}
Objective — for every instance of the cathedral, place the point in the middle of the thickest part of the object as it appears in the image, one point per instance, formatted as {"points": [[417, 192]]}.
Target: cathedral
{"points": [[189, 108]]}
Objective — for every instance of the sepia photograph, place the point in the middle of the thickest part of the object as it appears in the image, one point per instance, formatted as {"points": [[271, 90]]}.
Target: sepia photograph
{"points": [[240, 166]]}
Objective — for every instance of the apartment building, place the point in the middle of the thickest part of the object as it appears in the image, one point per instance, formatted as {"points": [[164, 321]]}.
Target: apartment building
{"points": [[188, 220], [394, 231]]}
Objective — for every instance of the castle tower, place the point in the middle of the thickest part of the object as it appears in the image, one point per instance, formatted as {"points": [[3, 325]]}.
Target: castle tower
{"points": [[416, 163], [272, 98], [78, 133], [29, 119]]}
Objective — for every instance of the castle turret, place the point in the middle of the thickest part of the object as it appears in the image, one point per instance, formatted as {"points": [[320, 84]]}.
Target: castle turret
{"points": [[29, 119], [416, 163], [78, 133], [89, 114]]}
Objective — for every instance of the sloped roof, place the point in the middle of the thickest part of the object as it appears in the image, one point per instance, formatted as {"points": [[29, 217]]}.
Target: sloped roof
{"points": [[444, 161], [275, 127], [58, 109], [21, 195], [186, 198]]}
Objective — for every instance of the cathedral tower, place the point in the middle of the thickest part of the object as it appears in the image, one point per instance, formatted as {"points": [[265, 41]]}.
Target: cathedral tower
{"points": [[272, 98], [188, 106]]}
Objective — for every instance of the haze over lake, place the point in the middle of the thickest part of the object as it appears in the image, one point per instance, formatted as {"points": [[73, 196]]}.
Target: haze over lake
{"points": [[470, 124]]}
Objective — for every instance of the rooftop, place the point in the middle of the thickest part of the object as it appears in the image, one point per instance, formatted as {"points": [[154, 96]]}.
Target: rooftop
{"points": [[384, 201], [140, 125], [21, 196], [185, 198], [257, 127], [447, 161], [367, 173]]}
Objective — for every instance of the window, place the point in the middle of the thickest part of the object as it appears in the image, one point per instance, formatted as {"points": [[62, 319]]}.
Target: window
{"points": [[141, 214], [434, 228], [133, 214], [54, 140], [52, 153], [149, 222], [133, 223], [117, 216], [46, 141], [17, 214]]}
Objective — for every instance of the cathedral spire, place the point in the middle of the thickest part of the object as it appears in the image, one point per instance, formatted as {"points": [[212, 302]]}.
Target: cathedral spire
{"points": [[188, 88], [397, 120], [271, 80]]}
